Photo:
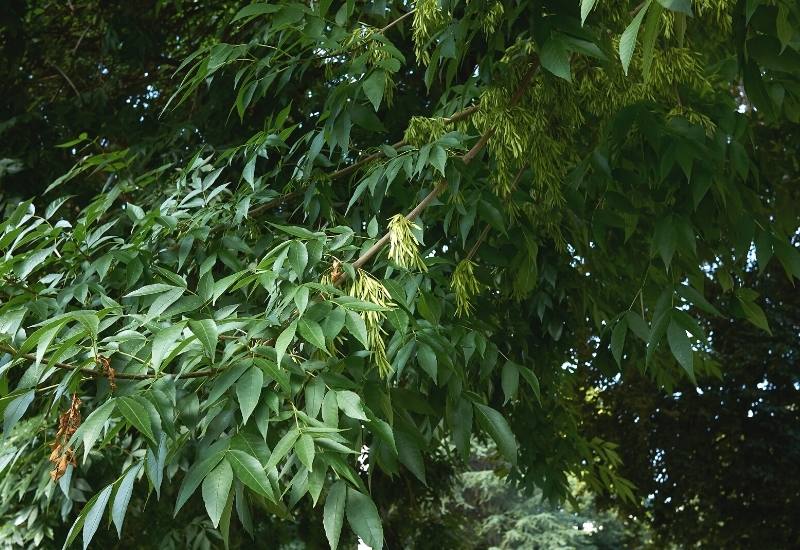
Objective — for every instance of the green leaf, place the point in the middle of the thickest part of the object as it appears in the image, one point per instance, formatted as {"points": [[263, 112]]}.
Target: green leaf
{"points": [[123, 496], [532, 381], [284, 339], [164, 341], [137, 416], [509, 380], [251, 473], [784, 27], [681, 347], [304, 447], [586, 8], [498, 429], [618, 340], [373, 87], [15, 410], [254, 10], [301, 299], [410, 455], [333, 516], [90, 429], [556, 59], [95, 515], [438, 158], [147, 290], [357, 327], [754, 313], [276, 373], [248, 391], [652, 25], [312, 333], [694, 297], [383, 430], [330, 409], [657, 331], [362, 515], [298, 257], [680, 6], [627, 42], [427, 360], [314, 394], [194, 477], [165, 300], [282, 448], [216, 488], [207, 332], [665, 239], [350, 404]]}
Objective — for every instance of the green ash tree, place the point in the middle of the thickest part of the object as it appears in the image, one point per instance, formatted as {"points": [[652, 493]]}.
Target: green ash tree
{"points": [[364, 235]]}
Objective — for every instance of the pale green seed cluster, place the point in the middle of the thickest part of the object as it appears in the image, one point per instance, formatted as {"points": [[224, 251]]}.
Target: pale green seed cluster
{"points": [[359, 41], [713, 15], [492, 18], [403, 244], [465, 287], [369, 289], [422, 130], [536, 134], [429, 19]]}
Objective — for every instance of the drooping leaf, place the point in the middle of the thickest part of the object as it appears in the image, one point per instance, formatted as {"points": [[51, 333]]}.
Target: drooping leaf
{"points": [[137, 416], [334, 513], [207, 332], [627, 42], [248, 391], [362, 515], [216, 488], [95, 515], [250, 472], [123, 497], [498, 429]]}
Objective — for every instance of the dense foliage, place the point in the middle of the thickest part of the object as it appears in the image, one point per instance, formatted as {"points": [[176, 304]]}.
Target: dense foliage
{"points": [[362, 235], [711, 461]]}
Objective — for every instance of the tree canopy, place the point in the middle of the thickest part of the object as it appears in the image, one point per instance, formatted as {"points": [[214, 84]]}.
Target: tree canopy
{"points": [[273, 263]]}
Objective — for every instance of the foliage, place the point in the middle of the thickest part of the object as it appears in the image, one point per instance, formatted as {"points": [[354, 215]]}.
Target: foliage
{"points": [[224, 311], [714, 459]]}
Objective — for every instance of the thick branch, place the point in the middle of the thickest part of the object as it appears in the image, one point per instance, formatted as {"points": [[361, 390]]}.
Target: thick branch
{"points": [[94, 373]]}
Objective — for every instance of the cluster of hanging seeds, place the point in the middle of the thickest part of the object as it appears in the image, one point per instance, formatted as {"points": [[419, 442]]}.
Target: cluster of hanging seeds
{"points": [[62, 454], [403, 244], [465, 287], [369, 289]]}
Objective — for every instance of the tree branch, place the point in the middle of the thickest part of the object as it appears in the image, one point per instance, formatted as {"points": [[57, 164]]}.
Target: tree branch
{"points": [[468, 157], [69, 81], [461, 115], [94, 373]]}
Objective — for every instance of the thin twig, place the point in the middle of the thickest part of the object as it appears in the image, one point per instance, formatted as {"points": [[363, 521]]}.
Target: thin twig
{"points": [[475, 246], [69, 81], [396, 21]]}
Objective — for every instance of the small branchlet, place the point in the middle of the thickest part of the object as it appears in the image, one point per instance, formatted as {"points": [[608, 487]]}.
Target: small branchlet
{"points": [[403, 244]]}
